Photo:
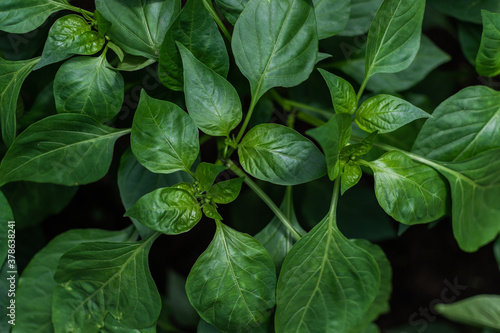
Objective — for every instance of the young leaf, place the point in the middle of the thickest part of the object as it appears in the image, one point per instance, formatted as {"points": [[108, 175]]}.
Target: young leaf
{"points": [[66, 149], [488, 56], [409, 192], [206, 174], [326, 283], [464, 125], [87, 85], [35, 287], [360, 148], [394, 36], [275, 43], [12, 76], [331, 16], [138, 26], [168, 210], [343, 95], [20, 16], [361, 15], [70, 35], [211, 100], [211, 212], [280, 155], [226, 191], [480, 310], [134, 181], [93, 278], [196, 30], [386, 113], [332, 137], [5, 216], [240, 289], [351, 176], [164, 138]]}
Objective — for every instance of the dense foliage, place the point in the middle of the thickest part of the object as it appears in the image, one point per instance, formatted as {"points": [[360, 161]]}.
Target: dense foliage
{"points": [[256, 98]]}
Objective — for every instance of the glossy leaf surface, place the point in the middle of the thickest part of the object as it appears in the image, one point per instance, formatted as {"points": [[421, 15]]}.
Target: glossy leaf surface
{"points": [[343, 95], [206, 174], [488, 56], [351, 176], [226, 191]]}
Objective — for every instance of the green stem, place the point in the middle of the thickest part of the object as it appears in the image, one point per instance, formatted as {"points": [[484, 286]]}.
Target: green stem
{"points": [[204, 138], [287, 104], [247, 120], [264, 197], [79, 10], [332, 214], [210, 7], [311, 120], [362, 88]]}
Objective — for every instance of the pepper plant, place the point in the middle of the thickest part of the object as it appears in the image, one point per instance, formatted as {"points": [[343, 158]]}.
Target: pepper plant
{"points": [[224, 67]]}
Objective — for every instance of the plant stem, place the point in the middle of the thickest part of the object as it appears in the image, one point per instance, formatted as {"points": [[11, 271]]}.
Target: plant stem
{"points": [[210, 7], [287, 104], [247, 120], [362, 88], [332, 214], [264, 197], [311, 120]]}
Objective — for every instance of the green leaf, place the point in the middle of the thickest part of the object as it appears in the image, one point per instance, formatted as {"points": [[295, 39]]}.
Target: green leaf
{"points": [[35, 287], [332, 137], [65, 149], [326, 283], [343, 95], [465, 10], [5, 216], [351, 176], [211, 100], [280, 155], [386, 113], [381, 303], [204, 327], [206, 174], [93, 278], [87, 85], [275, 43], [134, 181], [410, 192], [240, 289], [132, 63], [231, 8], [469, 36], [475, 189], [20, 16], [12, 76], [362, 12], [488, 56], [211, 212], [168, 210], [394, 36], [480, 310], [164, 138], [103, 24], [111, 325], [331, 16], [360, 148], [70, 35], [464, 125], [138, 26], [226, 191], [428, 57], [196, 30]]}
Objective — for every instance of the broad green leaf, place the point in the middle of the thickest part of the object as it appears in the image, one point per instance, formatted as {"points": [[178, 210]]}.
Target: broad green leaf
{"points": [[380, 304], [331, 16], [480, 310], [168, 210], [280, 155], [231, 8], [410, 192], [70, 35], [350, 177], [164, 138], [428, 57], [64, 149], [343, 95], [211, 212], [464, 125], [275, 43], [488, 56], [275, 237], [134, 181], [196, 30], [475, 189], [211, 100], [240, 289], [34, 290], [138, 26], [12, 76], [5, 216], [93, 279], [204, 327], [332, 137], [386, 113], [111, 325], [465, 10], [206, 174], [362, 12], [326, 283], [226, 191], [20, 16], [394, 36], [103, 26], [87, 85]]}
